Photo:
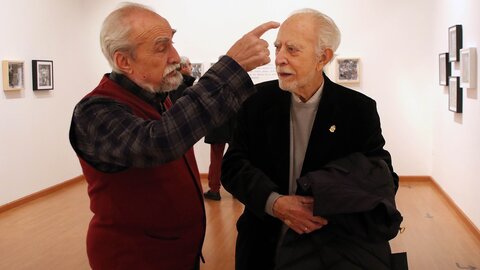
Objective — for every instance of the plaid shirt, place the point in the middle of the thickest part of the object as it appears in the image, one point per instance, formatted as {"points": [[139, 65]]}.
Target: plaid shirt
{"points": [[111, 138]]}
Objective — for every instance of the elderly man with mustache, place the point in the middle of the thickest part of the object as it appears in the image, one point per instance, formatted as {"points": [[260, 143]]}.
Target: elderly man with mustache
{"points": [[136, 152], [307, 161]]}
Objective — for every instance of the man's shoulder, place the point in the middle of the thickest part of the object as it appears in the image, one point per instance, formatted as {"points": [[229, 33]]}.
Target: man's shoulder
{"points": [[346, 94], [267, 85], [269, 90], [268, 96], [188, 80]]}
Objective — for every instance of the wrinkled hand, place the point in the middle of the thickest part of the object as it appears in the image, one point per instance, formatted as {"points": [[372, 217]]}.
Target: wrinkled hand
{"points": [[297, 213], [251, 51]]}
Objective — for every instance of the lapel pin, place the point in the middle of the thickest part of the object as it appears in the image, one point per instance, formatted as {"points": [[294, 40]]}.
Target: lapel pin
{"points": [[332, 128]]}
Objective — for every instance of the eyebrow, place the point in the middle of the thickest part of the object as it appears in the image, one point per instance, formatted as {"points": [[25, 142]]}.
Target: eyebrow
{"points": [[160, 40], [288, 44], [163, 40]]}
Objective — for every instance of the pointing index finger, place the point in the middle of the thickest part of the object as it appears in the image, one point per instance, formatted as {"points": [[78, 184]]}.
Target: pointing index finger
{"points": [[261, 29]]}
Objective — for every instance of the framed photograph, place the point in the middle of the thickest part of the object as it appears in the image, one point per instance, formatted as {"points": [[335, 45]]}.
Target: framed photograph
{"points": [[444, 69], [13, 75], [42, 74], [197, 70], [347, 70], [468, 68], [454, 95], [454, 42]]}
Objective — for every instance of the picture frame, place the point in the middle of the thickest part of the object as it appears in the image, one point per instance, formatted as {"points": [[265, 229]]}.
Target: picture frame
{"points": [[444, 69], [197, 70], [468, 68], [454, 95], [454, 42], [347, 69], [13, 75], [42, 74]]}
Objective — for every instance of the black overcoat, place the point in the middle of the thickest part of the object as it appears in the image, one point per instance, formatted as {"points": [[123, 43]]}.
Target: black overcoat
{"points": [[257, 161]]}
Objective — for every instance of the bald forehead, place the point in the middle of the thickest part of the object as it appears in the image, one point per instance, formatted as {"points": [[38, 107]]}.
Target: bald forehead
{"points": [[298, 31], [145, 17], [300, 21], [150, 25]]}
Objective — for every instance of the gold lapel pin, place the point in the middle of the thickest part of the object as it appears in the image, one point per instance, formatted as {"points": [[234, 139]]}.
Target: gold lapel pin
{"points": [[332, 128]]}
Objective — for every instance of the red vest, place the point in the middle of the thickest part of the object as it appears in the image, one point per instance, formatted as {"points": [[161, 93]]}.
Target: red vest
{"points": [[144, 218]]}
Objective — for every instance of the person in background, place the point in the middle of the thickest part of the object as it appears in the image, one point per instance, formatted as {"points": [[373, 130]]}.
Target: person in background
{"points": [[136, 152], [217, 137], [185, 68], [307, 160]]}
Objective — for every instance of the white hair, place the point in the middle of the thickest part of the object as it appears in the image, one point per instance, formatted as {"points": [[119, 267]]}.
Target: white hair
{"points": [[328, 33], [183, 61], [115, 31]]}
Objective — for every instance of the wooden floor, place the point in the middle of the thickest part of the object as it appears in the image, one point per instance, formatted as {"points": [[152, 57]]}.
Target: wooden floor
{"points": [[49, 233]]}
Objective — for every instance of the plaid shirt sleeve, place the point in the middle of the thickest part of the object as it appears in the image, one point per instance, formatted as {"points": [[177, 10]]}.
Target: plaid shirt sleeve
{"points": [[110, 137]]}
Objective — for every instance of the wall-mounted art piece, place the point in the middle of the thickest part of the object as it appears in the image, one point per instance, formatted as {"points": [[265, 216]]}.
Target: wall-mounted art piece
{"points": [[347, 70], [444, 68], [197, 70], [42, 74], [454, 42], [454, 95], [13, 75], [468, 68]]}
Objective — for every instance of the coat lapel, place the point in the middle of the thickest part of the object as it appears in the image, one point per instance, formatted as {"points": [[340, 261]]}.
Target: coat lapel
{"points": [[278, 134], [322, 138]]}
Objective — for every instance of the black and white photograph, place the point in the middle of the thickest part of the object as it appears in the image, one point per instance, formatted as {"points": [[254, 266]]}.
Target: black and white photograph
{"points": [[13, 75], [468, 68], [444, 69], [454, 42], [348, 70], [197, 70], [454, 95], [42, 74]]}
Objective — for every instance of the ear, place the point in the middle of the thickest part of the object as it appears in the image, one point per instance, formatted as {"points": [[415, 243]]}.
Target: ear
{"points": [[325, 58], [123, 62], [328, 53]]}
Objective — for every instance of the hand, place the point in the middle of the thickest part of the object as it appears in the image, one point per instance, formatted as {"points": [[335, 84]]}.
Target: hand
{"points": [[250, 51], [297, 213]]}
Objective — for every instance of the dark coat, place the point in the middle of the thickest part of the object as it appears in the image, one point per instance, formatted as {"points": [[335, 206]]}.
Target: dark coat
{"points": [[222, 133], [357, 197], [257, 161]]}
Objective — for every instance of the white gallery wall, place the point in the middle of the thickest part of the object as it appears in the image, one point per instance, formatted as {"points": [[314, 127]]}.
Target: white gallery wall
{"points": [[34, 148], [398, 43], [456, 137]]}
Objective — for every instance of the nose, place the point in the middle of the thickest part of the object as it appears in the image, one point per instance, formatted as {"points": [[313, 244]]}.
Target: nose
{"points": [[174, 58], [280, 58]]}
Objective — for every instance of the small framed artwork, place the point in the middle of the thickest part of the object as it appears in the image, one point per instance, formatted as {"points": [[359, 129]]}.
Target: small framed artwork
{"points": [[444, 68], [13, 75], [347, 70], [454, 42], [197, 70], [454, 95], [468, 68], [42, 74]]}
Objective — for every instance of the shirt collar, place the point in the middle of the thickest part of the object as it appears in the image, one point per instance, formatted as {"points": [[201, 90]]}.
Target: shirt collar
{"points": [[314, 99]]}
